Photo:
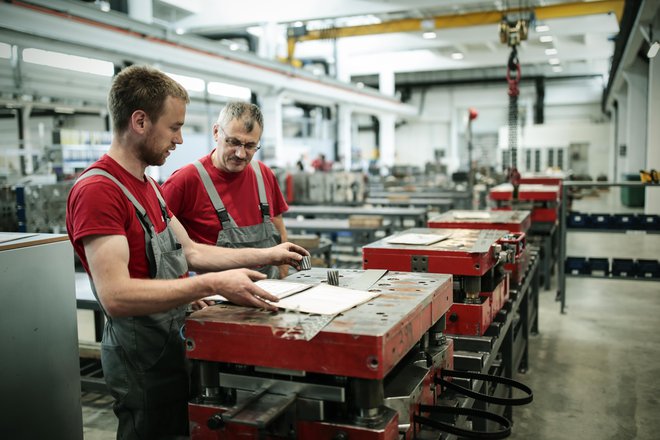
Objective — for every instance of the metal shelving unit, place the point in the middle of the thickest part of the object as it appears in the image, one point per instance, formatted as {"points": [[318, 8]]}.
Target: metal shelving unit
{"points": [[563, 229]]}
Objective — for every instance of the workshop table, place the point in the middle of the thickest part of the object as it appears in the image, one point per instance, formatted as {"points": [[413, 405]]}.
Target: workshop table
{"points": [[398, 215], [433, 203]]}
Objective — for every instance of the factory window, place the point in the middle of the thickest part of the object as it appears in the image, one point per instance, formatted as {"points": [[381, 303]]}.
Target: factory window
{"points": [[560, 158], [551, 157], [505, 160], [528, 160], [229, 90], [69, 62], [537, 160], [5, 50], [190, 83]]}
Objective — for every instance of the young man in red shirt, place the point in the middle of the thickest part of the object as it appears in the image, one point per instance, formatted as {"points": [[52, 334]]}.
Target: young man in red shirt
{"points": [[137, 255], [226, 198]]}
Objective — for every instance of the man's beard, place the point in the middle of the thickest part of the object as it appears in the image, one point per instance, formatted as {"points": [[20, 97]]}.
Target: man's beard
{"points": [[149, 154]]}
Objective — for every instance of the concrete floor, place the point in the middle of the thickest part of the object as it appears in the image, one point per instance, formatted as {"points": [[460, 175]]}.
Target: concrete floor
{"points": [[595, 370]]}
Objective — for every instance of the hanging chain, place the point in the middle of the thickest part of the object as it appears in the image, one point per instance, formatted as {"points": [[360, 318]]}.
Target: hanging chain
{"points": [[513, 78]]}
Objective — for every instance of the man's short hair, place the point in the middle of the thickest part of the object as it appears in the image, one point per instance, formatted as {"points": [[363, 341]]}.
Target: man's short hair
{"points": [[246, 112], [141, 88]]}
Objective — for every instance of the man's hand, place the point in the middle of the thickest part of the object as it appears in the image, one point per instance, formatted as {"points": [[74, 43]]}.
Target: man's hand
{"points": [[238, 287], [286, 253], [283, 271]]}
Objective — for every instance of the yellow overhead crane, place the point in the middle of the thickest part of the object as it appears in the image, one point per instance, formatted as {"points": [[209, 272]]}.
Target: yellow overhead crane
{"points": [[562, 10]]}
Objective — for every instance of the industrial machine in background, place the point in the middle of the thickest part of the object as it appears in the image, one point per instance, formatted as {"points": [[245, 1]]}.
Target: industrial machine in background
{"points": [[517, 223], [34, 207], [475, 258], [488, 322], [543, 198]]}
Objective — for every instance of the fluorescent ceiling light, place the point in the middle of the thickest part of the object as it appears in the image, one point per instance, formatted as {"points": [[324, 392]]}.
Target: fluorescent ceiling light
{"points": [[298, 24], [557, 68], [358, 20], [69, 62], [189, 83], [545, 38], [429, 35], [457, 56], [5, 50], [551, 51], [653, 50], [542, 28], [257, 31], [180, 31], [554, 61], [233, 46], [359, 85], [229, 90]]}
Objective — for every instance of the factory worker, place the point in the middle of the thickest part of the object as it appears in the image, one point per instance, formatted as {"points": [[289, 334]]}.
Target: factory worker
{"points": [[227, 197], [138, 255]]}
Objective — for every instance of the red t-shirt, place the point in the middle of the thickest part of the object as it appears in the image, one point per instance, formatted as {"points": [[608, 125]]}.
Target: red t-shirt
{"points": [[97, 206], [187, 198]]}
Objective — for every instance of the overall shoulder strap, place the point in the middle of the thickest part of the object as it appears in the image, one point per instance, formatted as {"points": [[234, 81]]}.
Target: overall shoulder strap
{"points": [[225, 219], [263, 200], [142, 213], [161, 201], [145, 221]]}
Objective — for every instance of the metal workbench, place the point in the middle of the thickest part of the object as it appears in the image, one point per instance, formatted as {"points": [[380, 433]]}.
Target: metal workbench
{"points": [[398, 215]]}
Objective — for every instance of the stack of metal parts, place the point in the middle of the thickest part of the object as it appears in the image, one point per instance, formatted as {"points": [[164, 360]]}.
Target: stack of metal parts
{"points": [[363, 375]]}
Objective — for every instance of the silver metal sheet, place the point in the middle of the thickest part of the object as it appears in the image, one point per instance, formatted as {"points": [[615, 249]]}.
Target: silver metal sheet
{"points": [[326, 393]]}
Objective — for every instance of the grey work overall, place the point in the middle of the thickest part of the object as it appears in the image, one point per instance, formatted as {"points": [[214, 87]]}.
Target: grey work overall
{"points": [[143, 357], [262, 235]]}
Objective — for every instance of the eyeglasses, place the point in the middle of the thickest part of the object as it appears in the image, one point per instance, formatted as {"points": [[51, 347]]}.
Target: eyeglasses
{"points": [[234, 143]]}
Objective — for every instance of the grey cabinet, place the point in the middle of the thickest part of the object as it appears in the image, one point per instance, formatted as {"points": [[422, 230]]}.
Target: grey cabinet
{"points": [[39, 365]]}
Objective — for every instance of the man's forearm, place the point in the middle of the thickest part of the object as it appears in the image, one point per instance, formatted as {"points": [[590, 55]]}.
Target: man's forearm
{"points": [[203, 257], [136, 297]]}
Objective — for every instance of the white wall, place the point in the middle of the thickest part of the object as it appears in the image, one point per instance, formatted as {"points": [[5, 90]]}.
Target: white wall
{"points": [[572, 115]]}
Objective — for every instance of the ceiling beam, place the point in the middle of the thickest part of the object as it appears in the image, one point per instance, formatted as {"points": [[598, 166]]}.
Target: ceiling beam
{"points": [[115, 36], [562, 10]]}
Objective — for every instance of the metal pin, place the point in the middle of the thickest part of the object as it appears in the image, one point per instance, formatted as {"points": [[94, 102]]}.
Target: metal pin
{"points": [[306, 262], [333, 277]]}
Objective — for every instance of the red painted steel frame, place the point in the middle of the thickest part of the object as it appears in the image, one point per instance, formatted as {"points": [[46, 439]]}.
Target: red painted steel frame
{"points": [[242, 335], [515, 223]]}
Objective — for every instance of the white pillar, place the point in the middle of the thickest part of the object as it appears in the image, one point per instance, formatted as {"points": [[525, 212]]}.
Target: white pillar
{"points": [[387, 133], [345, 136], [652, 198], [387, 122], [637, 79], [272, 138], [269, 41], [27, 141], [141, 10]]}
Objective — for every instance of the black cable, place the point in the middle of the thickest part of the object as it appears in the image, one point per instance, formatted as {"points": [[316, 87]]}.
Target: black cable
{"points": [[513, 401], [462, 432]]}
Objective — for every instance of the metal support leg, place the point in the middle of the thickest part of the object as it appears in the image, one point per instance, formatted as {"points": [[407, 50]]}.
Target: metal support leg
{"points": [[547, 260], [561, 259], [534, 300]]}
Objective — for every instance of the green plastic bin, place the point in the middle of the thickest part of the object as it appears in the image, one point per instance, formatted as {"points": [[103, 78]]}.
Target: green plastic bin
{"points": [[632, 197]]}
